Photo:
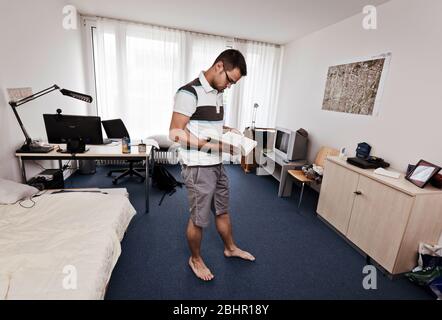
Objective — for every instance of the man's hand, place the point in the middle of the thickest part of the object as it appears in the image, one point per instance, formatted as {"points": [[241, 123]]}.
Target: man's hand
{"points": [[227, 129], [235, 131]]}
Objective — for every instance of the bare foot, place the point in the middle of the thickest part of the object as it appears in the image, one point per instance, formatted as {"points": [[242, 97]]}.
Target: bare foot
{"points": [[237, 252], [200, 269]]}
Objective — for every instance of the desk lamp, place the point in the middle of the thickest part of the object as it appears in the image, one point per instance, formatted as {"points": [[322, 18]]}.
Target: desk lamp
{"points": [[255, 106], [31, 146]]}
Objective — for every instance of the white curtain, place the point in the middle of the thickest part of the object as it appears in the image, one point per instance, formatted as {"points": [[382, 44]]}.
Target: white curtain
{"points": [[259, 86], [139, 68], [202, 51]]}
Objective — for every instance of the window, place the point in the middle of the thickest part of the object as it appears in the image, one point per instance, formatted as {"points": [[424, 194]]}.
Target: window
{"points": [[138, 69]]}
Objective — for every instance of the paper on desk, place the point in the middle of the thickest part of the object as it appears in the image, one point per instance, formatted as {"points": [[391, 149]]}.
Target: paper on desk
{"points": [[16, 94], [239, 141]]}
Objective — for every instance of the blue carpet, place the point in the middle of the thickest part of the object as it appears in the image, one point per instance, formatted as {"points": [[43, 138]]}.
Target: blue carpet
{"points": [[297, 255]]}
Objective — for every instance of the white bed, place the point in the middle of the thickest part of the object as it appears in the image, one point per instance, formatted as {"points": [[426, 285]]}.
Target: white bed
{"points": [[62, 237]]}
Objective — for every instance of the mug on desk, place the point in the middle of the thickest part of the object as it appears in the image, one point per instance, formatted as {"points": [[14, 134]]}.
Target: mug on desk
{"points": [[142, 147]]}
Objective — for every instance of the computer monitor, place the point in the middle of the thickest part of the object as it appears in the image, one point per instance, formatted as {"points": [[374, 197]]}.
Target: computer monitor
{"points": [[284, 139], [291, 145], [60, 128]]}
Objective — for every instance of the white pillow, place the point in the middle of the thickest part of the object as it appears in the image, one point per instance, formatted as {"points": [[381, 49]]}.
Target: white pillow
{"points": [[11, 191], [163, 141]]}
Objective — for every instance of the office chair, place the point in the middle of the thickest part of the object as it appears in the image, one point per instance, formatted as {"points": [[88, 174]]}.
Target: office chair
{"points": [[115, 129]]}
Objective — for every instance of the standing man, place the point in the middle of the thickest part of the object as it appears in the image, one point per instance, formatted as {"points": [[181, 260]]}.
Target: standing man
{"points": [[198, 124]]}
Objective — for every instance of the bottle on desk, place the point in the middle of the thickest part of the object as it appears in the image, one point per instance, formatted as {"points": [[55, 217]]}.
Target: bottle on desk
{"points": [[125, 145]]}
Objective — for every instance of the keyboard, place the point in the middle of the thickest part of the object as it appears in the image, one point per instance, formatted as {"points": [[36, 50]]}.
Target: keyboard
{"points": [[35, 149], [391, 174]]}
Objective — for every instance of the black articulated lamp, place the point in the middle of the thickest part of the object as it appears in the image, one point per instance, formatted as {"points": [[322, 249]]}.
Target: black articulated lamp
{"points": [[31, 146]]}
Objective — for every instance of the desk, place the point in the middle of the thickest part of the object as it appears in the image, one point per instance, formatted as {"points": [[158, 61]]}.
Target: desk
{"points": [[266, 140], [96, 152], [271, 164]]}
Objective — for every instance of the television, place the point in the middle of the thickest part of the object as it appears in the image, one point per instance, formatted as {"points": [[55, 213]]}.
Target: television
{"points": [[291, 145], [60, 128]]}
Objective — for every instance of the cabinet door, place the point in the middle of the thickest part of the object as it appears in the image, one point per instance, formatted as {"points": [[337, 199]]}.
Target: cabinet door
{"points": [[378, 220], [337, 195]]}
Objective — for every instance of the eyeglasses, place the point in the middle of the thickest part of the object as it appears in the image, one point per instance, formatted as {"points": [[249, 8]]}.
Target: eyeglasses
{"points": [[228, 78]]}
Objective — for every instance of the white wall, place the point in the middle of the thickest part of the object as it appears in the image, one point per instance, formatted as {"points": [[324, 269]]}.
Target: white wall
{"points": [[408, 127], [36, 51]]}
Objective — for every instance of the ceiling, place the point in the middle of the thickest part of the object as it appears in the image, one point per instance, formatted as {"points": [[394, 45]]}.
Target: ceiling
{"points": [[275, 21]]}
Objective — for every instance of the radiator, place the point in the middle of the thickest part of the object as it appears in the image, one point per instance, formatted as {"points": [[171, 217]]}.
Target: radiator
{"points": [[166, 156], [160, 156], [112, 162]]}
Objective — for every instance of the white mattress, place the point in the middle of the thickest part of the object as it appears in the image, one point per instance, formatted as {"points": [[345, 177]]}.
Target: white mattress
{"points": [[63, 237]]}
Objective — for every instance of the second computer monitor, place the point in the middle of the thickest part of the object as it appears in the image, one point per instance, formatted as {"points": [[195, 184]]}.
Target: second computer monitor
{"points": [[60, 128]]}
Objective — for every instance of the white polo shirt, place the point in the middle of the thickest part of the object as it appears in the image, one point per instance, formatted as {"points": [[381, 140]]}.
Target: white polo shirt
{"points": [[204, 105]]}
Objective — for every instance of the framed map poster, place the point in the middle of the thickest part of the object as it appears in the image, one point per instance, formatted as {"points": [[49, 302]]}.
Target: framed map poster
{"points": [[356, 87]]}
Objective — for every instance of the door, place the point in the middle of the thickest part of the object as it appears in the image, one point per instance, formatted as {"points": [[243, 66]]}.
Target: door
{"points": [[378, 220], [337, 195]]}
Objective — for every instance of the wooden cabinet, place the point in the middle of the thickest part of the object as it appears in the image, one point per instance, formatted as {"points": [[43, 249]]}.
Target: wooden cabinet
{"points": [[386, 218], [378, 220], [337, 201]]}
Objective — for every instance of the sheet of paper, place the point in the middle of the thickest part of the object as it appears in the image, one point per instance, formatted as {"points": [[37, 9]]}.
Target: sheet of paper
{"points": [[16, 94], [238, 141]]}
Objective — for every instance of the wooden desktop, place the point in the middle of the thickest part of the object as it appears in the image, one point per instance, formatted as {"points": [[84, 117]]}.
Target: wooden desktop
{"points": [[111, 151]]}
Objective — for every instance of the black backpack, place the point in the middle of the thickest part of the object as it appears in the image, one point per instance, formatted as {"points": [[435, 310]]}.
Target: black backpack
{"points": [[164, 180]]}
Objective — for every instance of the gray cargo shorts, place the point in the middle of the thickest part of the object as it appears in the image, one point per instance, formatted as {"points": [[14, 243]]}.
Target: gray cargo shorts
{"points": [[207, 189]]}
